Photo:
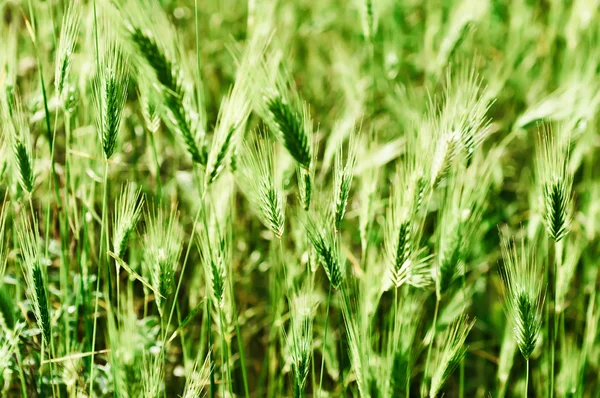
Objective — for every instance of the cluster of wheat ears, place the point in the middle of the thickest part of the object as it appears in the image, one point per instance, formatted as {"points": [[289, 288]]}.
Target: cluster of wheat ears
{"points": [[372, 198]]}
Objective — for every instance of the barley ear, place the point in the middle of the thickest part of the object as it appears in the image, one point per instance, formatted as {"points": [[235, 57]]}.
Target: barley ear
{"points": [[235, 109], [343, 175], [555, 180], [66, 46], [262, 183], [286, 114], [110, 94], [16, 126], [148, 105], [129, 207], [300, 338], [403, 230], [198, 378], [523, 295], [306, 177], [153, 39], [450, 352], [326, 245], [35, 276], [213, 248], [164, 242]]}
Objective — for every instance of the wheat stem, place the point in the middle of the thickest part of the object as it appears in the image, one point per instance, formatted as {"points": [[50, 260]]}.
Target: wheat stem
{"points": [[157, 165], [527, 378], [324, 340], [100, 257], [552, 323], [431, 342]]}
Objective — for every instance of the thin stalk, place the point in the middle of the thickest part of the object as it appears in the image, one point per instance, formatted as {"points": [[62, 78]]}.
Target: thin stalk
{"points": [[210, 347], [184, 351], [552, 324], [461, 383], [435, 316], [324, 341], [102, 227], [43, 349], [157, 165], [527, 378], [197, 28], [240, 343], [187, 253], [65, 226], [100, 256], [21, 374], [224, 354]]}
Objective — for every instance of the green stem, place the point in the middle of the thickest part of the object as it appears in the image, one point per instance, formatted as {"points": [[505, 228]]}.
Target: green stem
{"points": [[157, 165], [552, 326], [324, 341], [435, 316], [210, 346], [527, 378], [21, 374], [224, 354], [187, 253], [240, 343], [461, 384], [100, 256]]}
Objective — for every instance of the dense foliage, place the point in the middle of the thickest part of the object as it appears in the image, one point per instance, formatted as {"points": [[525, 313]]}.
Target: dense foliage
{"points": [[369, 198]]}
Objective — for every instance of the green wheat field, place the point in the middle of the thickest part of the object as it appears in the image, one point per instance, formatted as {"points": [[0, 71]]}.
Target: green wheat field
{"points": [[305, 198]]}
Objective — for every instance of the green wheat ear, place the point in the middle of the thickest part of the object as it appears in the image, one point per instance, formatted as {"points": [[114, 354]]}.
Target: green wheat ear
{"points": [[343, 175], [235, 109], [555, 180], [163, 245], [25, 166], [326, 245], [35, 276], [178, 114], [523, 294], [110, 94], [262, 182], [14, 120], [66, 46], [214, 246], [147, 95], [197, 379], [278, 103], [300, 337], [403, 228], [129, 206], [291, 125], [154, 42], [450, 352], [459, 220]]}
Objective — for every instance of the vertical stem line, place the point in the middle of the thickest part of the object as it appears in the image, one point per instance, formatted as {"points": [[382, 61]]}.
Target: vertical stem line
{"points": [[435, 316], [527, 378], [100, 257], [324, 341]]}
